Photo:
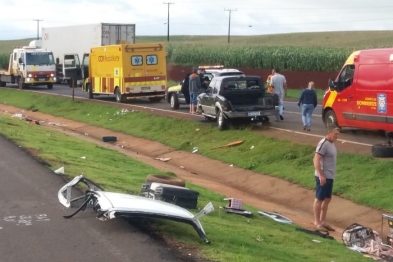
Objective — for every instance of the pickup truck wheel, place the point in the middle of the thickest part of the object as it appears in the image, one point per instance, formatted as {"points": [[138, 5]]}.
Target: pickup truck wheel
{"points": [[49, 86], [119, 96], [222, 122], [174, 101], [330, 119]]}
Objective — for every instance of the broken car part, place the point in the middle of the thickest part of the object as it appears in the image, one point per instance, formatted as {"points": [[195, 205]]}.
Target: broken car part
{"points": [[276, 217], [109, 205]]}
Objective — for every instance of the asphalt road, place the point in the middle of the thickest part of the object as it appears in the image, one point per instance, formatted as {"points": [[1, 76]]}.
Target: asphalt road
{"points": [[32, 227], [292, 121]]}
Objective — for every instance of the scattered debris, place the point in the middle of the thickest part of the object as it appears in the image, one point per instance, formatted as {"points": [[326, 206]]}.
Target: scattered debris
{"points": [[235, 206], [109, 138], [35, 110], [316, 241], [235, 143], [17, 115], [197, 129], [117, 145], [252, 147], [276, 217], [231, 165], [86, 134], [113, 205], [83, 157], [182, 167], [59, 171], [194, 150], [163, 159], [55, 124]]}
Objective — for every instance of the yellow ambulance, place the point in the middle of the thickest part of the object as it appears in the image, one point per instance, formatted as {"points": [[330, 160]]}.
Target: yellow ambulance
{"points": [[129, 71]]}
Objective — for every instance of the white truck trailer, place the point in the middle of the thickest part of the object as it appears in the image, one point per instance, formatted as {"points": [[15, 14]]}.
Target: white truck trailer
{"points": [[71, 46]]}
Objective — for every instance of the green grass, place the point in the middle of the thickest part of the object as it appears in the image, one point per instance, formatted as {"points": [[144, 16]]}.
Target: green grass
{"points": [[234, 238], [362, 178]]}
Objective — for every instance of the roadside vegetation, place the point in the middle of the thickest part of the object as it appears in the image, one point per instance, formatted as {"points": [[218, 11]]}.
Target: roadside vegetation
{"points": [[322, 51], [234, 238], [363, 178]]}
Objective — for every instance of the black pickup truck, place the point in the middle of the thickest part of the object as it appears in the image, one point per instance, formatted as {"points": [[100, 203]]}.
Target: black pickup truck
{"points": [[237, 97]]}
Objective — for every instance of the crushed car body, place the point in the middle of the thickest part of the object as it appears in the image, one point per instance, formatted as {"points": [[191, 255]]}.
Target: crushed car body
{"points": [[109, 205]]}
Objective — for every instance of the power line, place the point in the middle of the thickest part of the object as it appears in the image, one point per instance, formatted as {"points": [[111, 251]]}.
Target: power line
{"points": [[229, 24], [38, 27], [168, 18]]}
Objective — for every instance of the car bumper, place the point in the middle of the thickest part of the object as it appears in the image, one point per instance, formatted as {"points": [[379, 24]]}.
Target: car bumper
{"points": [[252, 114]]}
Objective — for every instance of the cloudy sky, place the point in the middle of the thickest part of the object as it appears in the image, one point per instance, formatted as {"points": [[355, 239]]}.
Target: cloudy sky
{"points": [[198, 17]]}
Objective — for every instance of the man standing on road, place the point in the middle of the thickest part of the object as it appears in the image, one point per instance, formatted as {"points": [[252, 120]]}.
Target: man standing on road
{"points": [[325, 172], [279, 83], [194, 87]]}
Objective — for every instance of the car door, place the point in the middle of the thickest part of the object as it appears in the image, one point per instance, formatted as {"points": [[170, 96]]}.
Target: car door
{"points": [[213, 97], [205, 98], [346, 97]]}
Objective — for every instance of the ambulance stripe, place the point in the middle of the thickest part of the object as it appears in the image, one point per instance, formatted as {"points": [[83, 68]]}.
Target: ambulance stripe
{"points": [[144, 78], [331, 99], [92, 83], [104, 85], [111, 85], [97, 84]]}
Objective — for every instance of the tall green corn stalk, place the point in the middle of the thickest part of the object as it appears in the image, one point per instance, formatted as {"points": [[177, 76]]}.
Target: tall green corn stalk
{"points": [[286, 57], [4, 60]]}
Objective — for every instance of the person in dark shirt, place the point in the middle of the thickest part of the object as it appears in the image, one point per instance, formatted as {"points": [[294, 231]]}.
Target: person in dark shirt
{"points": [[184, 88], [308, 101]]}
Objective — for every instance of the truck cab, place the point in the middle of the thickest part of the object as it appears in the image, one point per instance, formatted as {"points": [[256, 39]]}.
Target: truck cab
{"points": [[29, 66]]}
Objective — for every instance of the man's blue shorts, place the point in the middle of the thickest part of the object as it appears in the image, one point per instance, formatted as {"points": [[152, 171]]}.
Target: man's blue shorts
{"points": [[325, 191], [193, 98]]}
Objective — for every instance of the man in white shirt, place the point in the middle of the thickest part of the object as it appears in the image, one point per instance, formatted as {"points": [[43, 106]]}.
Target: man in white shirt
{"points": [[279, 83]]}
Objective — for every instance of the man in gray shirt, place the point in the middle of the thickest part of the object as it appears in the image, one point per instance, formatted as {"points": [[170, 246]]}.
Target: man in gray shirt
{"points": [[325, 173], [279, 84]]}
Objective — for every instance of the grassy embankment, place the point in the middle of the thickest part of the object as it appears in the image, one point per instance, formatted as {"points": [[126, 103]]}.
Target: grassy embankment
{"points": [[234, 238], [288, 160]]}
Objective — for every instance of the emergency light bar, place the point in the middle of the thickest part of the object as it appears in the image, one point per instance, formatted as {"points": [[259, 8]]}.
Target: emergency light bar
{"points": [[211, 67]]}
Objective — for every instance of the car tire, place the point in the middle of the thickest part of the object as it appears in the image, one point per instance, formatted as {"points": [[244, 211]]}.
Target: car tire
{"points": [[175, 181], [222, 122], [330, 119], [382, 150], [174, 101], [49, 86], [89, 91]]}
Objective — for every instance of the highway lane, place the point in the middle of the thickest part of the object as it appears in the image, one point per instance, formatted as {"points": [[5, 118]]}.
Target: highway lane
{"points": [[291, 123], [32, 227]]}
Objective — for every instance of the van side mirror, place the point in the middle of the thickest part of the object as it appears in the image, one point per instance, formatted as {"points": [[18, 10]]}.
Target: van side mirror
{"points": [[331, 84], [20, 60], [57, 60]]}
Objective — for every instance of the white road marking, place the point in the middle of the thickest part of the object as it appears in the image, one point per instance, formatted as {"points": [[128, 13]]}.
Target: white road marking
{"points": [[182, 113], [319, 136]]}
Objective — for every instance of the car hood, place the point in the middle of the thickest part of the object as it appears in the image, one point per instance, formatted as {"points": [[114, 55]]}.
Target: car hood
{"points": [[131, 203]]}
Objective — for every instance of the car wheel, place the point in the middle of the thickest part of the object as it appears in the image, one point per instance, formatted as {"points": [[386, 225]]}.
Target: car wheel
{"points": [[90, 91], [49, 86], [222, 122], [174, 101], [330, 119]]}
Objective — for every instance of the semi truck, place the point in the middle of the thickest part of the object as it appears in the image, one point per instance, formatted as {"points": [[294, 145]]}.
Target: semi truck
{"points": [[71, 46], [128, 71], [29, 66]]}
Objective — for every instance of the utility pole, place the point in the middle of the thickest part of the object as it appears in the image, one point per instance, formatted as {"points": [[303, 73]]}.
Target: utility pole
{"points": [[38, 27], [229, 26], [168, 18]]}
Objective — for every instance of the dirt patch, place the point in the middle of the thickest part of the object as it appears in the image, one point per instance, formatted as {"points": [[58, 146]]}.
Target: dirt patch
{"points": [[261, 191]]}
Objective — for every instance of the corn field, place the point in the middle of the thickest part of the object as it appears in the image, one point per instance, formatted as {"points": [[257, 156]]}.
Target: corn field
{"points": [[286, 58]]}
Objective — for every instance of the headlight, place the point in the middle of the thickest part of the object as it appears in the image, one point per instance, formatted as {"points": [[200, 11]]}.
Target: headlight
{"points": [[27, 79], [29, 75], [52, 75]]}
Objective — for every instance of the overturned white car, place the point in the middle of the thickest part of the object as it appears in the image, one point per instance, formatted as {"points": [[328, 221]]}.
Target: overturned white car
{"points": [[109, 205]]}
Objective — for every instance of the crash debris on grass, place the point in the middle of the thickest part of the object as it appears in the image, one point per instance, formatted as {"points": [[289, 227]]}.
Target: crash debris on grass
{"points": [[110, 205]]}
